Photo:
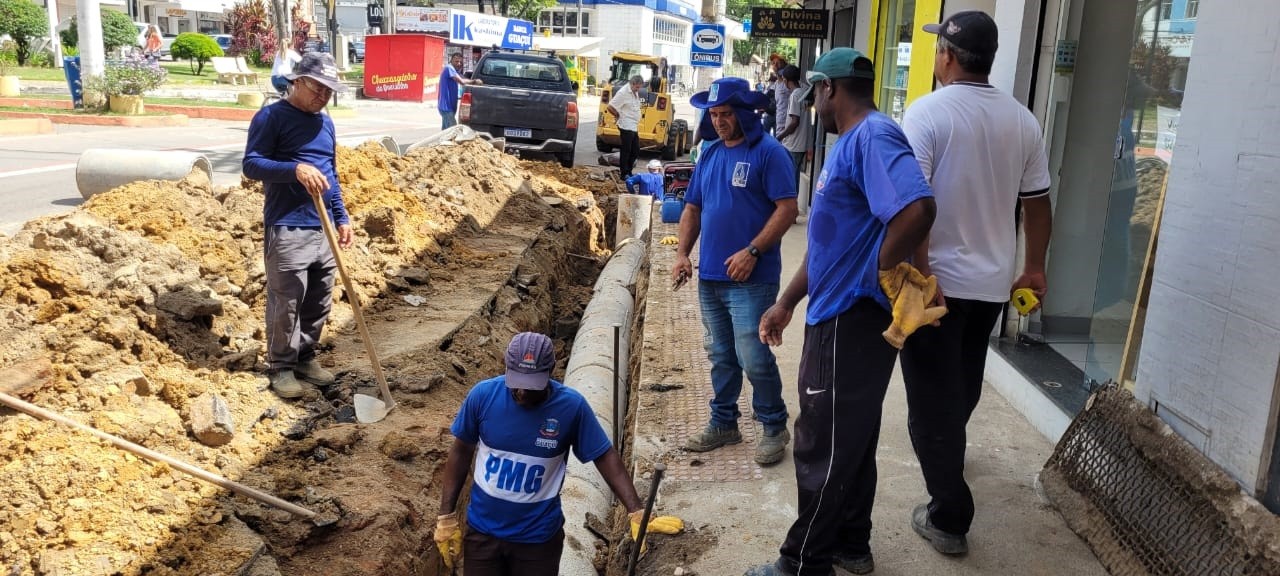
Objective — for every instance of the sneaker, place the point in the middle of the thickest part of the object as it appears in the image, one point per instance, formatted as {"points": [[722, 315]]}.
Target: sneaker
{"points": [[711, 438], [944, 542], [313, 372], [286, 384], [855, 564], [771, 448], [768, 570]]}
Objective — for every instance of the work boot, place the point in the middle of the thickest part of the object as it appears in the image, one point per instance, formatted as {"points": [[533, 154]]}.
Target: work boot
{"points": [[773, 569], [944, 542], [286, 384], [313, 372], [771, 448], [855, 564], [711, 438]]}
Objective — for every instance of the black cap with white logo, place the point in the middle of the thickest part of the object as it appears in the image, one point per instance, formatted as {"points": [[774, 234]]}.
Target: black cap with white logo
{"points": [[971, 30]]}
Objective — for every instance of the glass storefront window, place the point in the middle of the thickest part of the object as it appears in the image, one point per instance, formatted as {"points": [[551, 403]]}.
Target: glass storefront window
{"points": [[898, 30]]}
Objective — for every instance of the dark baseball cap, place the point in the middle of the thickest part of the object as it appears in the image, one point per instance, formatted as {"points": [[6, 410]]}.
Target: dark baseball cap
{"points": [[530, 359], [320, 67], [970, 30]]}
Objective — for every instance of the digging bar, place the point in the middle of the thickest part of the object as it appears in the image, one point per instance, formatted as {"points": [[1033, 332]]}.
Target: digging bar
{"points": [[368, 408], [41, 414]]}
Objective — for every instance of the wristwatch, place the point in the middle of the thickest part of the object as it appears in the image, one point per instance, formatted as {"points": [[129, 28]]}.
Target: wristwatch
{"points": [[753, 251]]}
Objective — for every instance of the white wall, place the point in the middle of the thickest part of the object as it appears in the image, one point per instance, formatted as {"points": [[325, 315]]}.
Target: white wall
{"points": [[623, 29], [1212, 341], [1017, 21]]}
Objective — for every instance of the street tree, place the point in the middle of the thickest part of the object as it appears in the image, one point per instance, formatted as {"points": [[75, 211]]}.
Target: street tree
{"points": [[117, 31], [24, 21], [762, 47], [196, 49]]}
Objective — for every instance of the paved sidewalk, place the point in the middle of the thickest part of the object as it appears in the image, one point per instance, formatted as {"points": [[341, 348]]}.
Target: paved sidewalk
{"points": [[748, 508]]}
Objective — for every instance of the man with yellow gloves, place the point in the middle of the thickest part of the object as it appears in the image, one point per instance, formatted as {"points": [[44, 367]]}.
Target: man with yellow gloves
{"points": [[871, 209], [518, 429]]}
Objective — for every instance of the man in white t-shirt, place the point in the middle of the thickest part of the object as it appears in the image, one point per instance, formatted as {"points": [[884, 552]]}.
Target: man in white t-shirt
{"points": [[796, 133], [625, 106], [982, 151]]}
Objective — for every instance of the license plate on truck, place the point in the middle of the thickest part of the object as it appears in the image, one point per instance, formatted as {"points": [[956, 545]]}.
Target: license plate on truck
{"points": [[517, 132]]}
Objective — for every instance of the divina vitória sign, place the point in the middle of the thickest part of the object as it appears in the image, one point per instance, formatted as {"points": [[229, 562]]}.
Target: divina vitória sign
{"points": [[788, 23]]}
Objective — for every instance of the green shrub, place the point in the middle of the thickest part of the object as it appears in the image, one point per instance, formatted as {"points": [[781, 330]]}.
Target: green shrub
{"points": [[117, 31], [196, 48], [24, 21], [133, 77]]}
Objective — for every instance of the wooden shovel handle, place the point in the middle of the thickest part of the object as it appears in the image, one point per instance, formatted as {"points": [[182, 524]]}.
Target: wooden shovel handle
{"points": [[355, 303]]}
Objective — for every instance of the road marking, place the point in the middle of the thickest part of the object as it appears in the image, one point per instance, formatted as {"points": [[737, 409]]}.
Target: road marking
{"points": [[40, 170]]}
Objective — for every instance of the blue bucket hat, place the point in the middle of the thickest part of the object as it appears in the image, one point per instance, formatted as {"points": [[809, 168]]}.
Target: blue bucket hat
{"points": [[734, 92]]}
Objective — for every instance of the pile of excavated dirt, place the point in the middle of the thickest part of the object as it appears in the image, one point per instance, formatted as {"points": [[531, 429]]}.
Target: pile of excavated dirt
{"points": [[144, 307]]}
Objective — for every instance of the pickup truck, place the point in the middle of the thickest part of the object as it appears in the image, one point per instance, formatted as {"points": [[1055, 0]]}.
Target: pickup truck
{"points": [[527, 99]]}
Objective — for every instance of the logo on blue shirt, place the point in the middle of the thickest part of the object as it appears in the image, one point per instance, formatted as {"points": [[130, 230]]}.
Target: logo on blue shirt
{"points": [[513, 476], [740, 172], [550, 428]]}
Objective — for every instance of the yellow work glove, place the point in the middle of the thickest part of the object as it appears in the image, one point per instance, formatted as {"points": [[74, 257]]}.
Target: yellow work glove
{"points": [[658, 524], [448, 538], [669, 241], [911, 294]]}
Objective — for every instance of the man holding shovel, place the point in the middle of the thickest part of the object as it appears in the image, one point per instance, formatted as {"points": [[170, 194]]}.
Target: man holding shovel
{"points": [[291, 150], [518, 429]]}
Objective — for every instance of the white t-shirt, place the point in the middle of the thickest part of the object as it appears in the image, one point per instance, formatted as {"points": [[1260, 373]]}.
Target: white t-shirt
{"points": [[628, 105], [798, 140], [284, 66], [980, 150]]}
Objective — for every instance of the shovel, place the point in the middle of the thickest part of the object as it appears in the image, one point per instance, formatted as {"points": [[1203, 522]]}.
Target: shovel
{"points": [[368, 408]]}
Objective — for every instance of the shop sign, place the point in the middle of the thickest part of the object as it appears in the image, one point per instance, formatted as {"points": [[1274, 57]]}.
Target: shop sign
{"points": [[373, 15], [419, 19], [475, 29], [707, 49], [789, 23], [178, 12]]}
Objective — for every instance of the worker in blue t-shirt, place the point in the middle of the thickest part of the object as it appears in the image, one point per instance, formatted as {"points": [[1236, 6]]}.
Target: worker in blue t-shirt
{"points": [[650, 183], [518, 430], [447, 99], [740, 201], [291, 150], [872, 209]]}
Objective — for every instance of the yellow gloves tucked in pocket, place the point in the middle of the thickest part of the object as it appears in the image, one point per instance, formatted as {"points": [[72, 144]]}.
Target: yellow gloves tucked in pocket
{"points": [[911, 295]]}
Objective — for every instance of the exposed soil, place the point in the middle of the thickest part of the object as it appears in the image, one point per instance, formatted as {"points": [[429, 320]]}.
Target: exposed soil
{"points": [[151, 295]]}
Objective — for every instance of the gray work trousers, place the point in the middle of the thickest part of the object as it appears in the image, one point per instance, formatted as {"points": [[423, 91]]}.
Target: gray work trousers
{"points": [[300, 271]]}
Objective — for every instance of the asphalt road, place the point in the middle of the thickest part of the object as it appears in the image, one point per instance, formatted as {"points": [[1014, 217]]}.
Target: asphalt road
{"points": [[37, 173]]}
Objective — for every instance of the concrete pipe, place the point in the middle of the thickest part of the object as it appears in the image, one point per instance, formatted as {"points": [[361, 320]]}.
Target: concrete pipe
{"points": [[103, 169], [635, 211], [383, 140]]}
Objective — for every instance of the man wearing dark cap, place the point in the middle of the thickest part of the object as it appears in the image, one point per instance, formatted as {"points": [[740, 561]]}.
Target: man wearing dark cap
{"points": [[982, 151], [518, 429], [871, 209], [740, 201], [291, 150]]}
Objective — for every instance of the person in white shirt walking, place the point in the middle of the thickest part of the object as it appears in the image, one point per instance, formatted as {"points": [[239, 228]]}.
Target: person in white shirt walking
{"points": [[982, 152], [797, 132], [625, 106]]}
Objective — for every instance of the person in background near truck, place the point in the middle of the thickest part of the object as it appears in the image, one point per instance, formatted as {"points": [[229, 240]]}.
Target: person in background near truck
{"points": [[741, 200], [872, 209], [982, 151], [447, 101], [625, 107], [796, 136], [282, 66], [291, 149], [513, 434], [650, 183]]}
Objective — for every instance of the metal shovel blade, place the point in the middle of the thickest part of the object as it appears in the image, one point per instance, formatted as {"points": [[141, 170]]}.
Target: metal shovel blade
{"points": [[369, 409]]}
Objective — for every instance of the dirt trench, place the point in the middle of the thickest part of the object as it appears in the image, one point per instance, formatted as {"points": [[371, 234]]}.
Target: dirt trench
{"points": [[146, 303]]}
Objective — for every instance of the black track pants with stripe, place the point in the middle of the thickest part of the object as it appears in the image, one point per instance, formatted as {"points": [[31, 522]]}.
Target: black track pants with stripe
{"points": [[844, 372]]}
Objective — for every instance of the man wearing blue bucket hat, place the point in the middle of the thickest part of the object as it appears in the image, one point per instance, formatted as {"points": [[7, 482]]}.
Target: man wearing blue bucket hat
{"points": [[741, 200], [871, 210]]}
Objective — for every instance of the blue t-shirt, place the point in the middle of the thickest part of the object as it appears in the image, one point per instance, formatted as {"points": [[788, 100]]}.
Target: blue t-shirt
{"points": [[280, 138], [521, 457], [447, 99], [649, 183], [869, 177], [736, 188]]}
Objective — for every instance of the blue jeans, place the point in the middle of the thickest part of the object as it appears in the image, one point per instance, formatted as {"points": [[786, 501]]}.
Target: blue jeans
{"points": [[448, 119], [731, 314]]}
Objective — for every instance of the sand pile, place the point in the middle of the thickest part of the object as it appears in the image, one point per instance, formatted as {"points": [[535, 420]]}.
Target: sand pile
{"points": [[149, 299]]}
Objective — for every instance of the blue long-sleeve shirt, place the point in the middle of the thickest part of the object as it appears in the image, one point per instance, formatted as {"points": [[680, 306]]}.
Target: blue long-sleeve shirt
{"points": [[649, 183], [280, 138]]}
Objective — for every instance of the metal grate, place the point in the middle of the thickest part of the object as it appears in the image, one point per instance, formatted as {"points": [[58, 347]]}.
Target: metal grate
{"points": [[1149, 503]]}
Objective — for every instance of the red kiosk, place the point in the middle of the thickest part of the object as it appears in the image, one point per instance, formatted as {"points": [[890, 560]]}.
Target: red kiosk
{"points": [[403, 66]]}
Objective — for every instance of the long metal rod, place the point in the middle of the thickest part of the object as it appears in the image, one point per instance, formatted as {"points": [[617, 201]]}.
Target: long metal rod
{"points": [[659, 470], [355, 304], [617, 385], [40, 413]]}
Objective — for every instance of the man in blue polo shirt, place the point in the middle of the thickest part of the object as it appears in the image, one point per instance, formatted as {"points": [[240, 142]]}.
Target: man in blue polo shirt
{"points": [[447, 99], [291, 150], [518, 430], [741, 200], [871, 209]]}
